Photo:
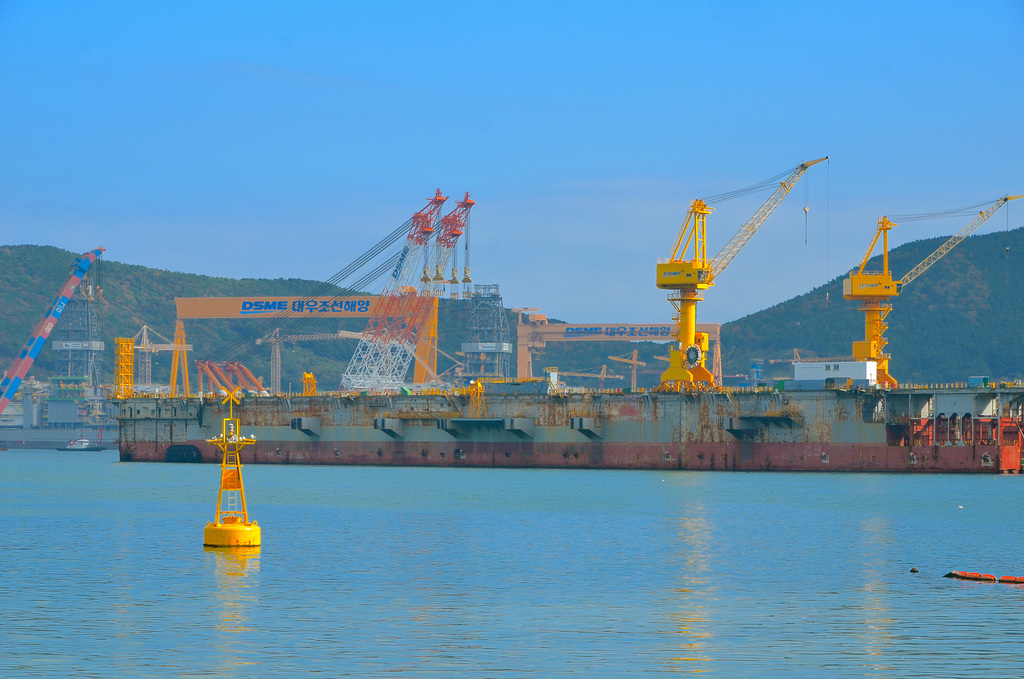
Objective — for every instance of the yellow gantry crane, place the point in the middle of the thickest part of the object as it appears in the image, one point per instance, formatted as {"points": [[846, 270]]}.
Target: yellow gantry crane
{"points": [[688, 272], [874, 289], [180, 358]]}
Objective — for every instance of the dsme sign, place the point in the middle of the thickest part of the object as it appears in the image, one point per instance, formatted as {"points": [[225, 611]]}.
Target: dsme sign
{"points": [[640, 331], [261, 306], [355, 306], [583, 331], [305, 306]]}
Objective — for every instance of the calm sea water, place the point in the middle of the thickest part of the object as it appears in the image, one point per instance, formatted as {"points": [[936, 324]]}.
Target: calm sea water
{"points": [[504, 573]]}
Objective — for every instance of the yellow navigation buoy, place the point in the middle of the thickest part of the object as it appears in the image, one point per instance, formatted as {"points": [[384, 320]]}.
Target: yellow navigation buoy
{"points": [[231, 526]]}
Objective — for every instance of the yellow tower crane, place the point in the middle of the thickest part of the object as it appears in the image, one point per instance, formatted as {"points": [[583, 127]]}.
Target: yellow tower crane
{"points": [[633, 362], [146, 348], [874, 289], [275, 339], [687, 276], [600, 376]]}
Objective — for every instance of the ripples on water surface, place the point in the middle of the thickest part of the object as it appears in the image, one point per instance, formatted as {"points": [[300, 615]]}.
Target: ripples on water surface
{"points": [[480, 573]]}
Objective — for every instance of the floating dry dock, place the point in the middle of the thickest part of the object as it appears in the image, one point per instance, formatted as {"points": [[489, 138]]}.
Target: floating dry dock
{"points": [[971, 430]]}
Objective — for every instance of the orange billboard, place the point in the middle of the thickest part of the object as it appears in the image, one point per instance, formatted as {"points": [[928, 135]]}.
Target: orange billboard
{"points": [[275, 307]]}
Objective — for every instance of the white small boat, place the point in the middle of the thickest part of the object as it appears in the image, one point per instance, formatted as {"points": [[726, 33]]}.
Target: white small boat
{"points": [[82, 444]]}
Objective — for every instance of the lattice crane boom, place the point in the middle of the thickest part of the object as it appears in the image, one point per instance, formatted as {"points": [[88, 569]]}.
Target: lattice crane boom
{"points": [[406, 274], [388, 344], [747, 231], [310, 337], [952, 242]]}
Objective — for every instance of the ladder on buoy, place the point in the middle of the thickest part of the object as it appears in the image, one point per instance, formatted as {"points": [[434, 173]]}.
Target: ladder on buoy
{"points": [[231, 526]]}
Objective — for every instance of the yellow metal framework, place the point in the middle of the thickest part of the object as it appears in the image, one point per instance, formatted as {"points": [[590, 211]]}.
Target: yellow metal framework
{"points": [[180, 359], [688, 276], [477, 404], [425, 370], [124, 367], [308, 384], [874, 289]]}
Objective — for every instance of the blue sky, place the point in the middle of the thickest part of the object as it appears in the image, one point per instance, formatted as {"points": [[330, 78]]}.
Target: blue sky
{"points": [[282, 139]]}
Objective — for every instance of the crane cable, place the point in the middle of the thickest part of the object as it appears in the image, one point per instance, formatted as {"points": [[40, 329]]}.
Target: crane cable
{"points": [[828, 212], [954, 212], [770, 183], [807, 208], [296, 324], [332, 287], [247, 342]]}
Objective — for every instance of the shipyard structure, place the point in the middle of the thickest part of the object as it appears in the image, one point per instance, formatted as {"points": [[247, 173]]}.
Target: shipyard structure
{"points": [[835, 414], [395, 407]]}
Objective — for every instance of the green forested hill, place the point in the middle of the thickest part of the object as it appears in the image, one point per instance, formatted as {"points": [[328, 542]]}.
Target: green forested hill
{"points": [[135, 295], [962, 317], [132, 295]]}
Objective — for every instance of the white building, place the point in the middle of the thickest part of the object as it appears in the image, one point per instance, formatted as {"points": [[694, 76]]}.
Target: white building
{"points": [[819, 374]]}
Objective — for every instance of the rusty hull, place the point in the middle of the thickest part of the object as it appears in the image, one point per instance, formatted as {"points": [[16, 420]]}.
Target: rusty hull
{"points": [[971, 431]]}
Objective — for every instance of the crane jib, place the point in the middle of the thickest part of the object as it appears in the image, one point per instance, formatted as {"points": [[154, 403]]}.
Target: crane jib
{"points": [[955, 240], [747, 231]]}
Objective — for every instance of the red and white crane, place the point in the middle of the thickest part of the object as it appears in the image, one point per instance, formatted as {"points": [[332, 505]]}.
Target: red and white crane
{"points": [[386, 349], [453, 225], [21, 365]]}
